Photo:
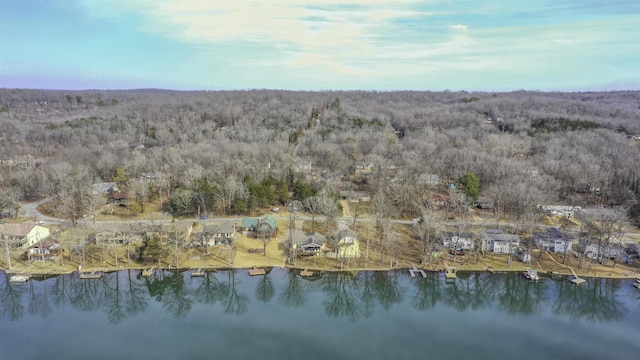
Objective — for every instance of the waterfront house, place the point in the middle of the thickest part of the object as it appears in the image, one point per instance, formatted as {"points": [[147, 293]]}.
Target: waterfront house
{"points": [[308, 244], [23, 234], [348, 244], [458, 241], [219, 233], [498, 242], [266, 227], [47, 249], [120, 234], [249, 225], [603, 251], [553, 239]]}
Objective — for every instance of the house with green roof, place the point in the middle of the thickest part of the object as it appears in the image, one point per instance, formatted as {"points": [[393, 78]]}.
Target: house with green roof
{"points": [[267, 227], [249, 224]]}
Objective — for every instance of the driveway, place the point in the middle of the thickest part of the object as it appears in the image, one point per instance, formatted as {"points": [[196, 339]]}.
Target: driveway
{"points": [[30, 210]]}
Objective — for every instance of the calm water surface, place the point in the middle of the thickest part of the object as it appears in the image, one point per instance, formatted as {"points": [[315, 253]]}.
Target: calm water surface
{"points": [[368, 315]]}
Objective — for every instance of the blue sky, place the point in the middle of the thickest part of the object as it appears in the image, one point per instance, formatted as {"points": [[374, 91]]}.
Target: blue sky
{"points": [[498, 45]]}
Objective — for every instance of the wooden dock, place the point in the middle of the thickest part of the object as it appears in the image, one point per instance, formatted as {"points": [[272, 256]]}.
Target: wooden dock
{"points": [[450, 272], [91, 275], [575, 279], [306, 273], [415, 271], [197, 273], [255, 271], [147, 272]]}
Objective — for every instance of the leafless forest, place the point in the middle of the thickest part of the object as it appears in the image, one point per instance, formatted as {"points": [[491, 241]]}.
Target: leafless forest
{"points": [[235, 152]]}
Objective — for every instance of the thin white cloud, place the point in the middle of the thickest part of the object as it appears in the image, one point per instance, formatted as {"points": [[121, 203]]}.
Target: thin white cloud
{"points": [[365, 38], [316, 24]]}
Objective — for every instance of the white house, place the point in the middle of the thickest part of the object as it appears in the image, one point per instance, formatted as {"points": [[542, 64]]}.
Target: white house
{"points": [[610, 250], [498, 242], [462, 241], [23, 234], [553, 239], [561, 210]]}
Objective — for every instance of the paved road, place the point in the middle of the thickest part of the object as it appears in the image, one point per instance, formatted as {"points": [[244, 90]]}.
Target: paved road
{"points": [[30, 210]]}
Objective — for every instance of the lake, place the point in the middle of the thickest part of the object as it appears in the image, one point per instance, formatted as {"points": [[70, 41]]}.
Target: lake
{"points": [[365, 315]]}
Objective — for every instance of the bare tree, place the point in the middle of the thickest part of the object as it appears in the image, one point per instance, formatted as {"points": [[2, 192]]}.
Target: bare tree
{"points": [[382, 210], [606, 231], [329, 208], [425, 231], [314, 207]]}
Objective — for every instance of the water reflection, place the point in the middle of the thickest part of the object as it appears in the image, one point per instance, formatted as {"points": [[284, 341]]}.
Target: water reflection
{"points": [[353, 296], [293, 294], [169, 289], [595, 301]]}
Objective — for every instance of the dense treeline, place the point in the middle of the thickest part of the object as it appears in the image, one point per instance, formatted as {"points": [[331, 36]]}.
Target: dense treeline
{"points": [[235, 151]]}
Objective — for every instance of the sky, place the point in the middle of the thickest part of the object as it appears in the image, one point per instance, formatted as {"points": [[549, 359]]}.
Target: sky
{"points": [[492, 45]]}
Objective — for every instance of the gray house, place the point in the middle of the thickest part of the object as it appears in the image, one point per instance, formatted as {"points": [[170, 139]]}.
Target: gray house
{"points": [[553, 239], [308, 244], [216, 234], [498, 242], [104, 188]]}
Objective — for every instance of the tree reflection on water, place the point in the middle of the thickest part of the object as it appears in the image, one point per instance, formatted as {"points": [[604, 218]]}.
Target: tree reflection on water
{"points": [[353, 296]]}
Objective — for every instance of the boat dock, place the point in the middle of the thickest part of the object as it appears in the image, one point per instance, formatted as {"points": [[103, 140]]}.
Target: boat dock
{"points": [[255, 271], [415, 271], [91, 275], [575, 279], [147, 272], [19, 278], [197, 273], [450, 272], [306, 273]]}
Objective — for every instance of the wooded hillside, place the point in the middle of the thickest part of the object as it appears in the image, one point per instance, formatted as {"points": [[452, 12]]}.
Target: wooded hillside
{"points": [[237, 151]]}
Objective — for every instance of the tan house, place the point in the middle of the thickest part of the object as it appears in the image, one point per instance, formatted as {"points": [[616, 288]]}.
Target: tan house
{"points": [[216, 234], [348, 245], [23, 234], [116, 234]]}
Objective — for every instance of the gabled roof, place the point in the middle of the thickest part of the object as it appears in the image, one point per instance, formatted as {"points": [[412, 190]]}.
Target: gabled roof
{"points": [[346, 233], [497, 235], [220, 228], [17, 229], [46, 243], [450, 235], [310, 238], [119, 195], [250, 222], [551, 234], [269, 220]]}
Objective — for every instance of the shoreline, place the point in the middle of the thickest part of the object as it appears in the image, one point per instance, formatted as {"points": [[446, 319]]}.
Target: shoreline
{"points": [[595, 275]]}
